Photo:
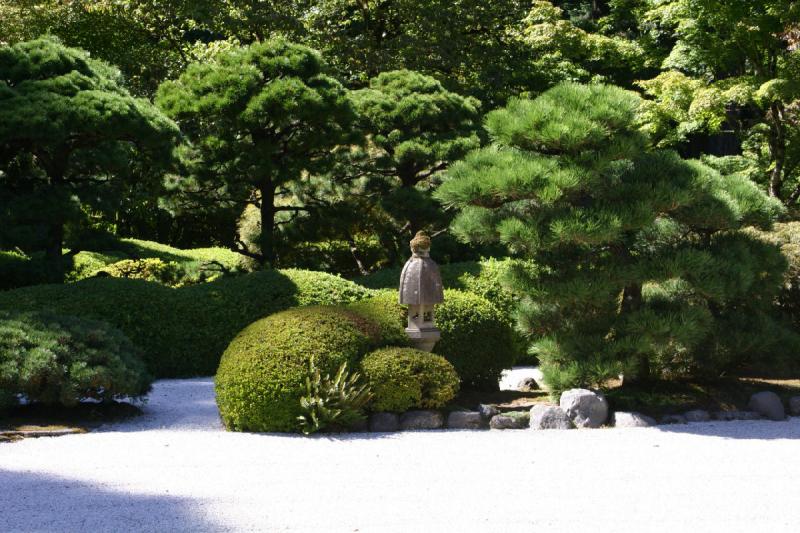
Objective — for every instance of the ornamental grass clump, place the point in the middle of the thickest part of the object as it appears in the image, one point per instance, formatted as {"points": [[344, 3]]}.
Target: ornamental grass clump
{"points": [[642, 267], [333, 404]]}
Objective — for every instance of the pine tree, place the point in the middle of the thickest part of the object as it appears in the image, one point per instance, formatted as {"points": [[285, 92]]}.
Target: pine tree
{"points": [[69, 130], [258, 119], [642, 264]]}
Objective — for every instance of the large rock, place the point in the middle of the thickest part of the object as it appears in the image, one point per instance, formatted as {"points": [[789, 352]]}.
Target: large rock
{"points": [[381, 422], [623, 419], [586, 409], [465, 420], [549, 417], [487, 411], [416, 420], [527, 385], [697, 415], [673, 419], [510, 421], [794, 405], [767, 404]]}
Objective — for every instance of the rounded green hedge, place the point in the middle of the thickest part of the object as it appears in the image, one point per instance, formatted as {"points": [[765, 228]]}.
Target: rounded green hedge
{"points": [[385, 310], [476, 338], [54, 359], [405, 378], [183, 331], [262, 374]]}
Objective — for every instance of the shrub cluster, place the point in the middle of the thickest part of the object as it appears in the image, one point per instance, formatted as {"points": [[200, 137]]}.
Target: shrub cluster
{"points": [[62, 360], [184, 331], [262, 375], [405, 378]]}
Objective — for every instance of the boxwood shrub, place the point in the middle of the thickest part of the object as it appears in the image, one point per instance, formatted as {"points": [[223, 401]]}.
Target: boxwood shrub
{"points": [[184, 331], [385, 310], [262, 374], [405, 378], [62, 360]]}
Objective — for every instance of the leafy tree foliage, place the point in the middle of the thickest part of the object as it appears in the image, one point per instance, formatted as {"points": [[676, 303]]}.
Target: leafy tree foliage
{"points": [[259, 120], [642, 267], [68, 131]]}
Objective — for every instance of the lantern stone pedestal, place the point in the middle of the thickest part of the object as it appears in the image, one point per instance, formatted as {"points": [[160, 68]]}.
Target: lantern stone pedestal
{"points": [[421, 289]]}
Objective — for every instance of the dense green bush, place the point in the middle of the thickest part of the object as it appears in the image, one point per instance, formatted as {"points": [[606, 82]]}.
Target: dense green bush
{"points": [[477, 339], [405, 378], [147, 269], [62, 360], [385, 310], [184, 331], [262, 375], [485, 278]]}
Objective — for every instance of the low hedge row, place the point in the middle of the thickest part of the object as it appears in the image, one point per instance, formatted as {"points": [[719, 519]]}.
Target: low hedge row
{"points": [[183, 332]]}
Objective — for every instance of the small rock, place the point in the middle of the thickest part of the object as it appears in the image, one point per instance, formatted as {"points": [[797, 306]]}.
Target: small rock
{"points": [[527, 385], [415, 420], [794, 405], [549, 417], [673, 419], [488, 411], [510, 421], [768, 404], [465, 420], [624, 419], [736, 415], [586, 409], [697, 415], [380, 422]]}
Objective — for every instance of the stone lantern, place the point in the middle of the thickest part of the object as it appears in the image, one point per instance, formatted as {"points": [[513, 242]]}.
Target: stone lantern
{"points": [[421, 289]]}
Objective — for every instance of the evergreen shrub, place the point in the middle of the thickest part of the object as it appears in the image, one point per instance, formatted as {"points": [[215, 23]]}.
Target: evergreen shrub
{"points": [[62, 360], [262, 375], [406, 378], [184, 331], [385, 310]]}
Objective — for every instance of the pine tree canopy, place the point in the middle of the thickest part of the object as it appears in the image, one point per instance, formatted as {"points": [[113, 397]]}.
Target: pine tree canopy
{"points": [[643, 261], [257, 119], [68, 125]]}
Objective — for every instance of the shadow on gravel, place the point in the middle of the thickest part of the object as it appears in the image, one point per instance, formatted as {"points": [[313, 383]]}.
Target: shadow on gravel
{"points": [[41, 502], [740, 429]]}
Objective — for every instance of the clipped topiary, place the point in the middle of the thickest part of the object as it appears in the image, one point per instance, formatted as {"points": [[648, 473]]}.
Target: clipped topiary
{"points": [[385, 310], [476, 338], [405, 378], [62, 360], [262, 375], [150, 269], [183, 332]]}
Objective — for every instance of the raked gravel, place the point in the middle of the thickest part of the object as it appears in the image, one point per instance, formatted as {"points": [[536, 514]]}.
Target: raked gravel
{"points": [[175, 469]]}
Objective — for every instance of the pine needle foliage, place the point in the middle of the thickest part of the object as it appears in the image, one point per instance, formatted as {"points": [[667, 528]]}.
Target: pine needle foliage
{"points": [[642, 264], [336, 403]]}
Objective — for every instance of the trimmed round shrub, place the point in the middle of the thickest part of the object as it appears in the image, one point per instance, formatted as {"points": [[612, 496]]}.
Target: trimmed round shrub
{"points": [[476, 338], [262, 374], [151, 269], [406, 378], [184, 331], [385, 310], [62, 360]]}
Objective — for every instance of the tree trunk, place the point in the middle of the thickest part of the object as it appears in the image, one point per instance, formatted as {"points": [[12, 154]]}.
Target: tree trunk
{"points": [[777, 148], [632, 301], [267, 237], [354, 252], [55, 229]]}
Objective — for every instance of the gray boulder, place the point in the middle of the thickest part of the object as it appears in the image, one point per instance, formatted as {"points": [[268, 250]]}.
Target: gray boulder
{"points": [[416, 420], [487, 411], [586, 409], [697, 415], [767, 404], [736, 415], [380, 422], [510, 421], [794, 405], [549, 417], [624, 419], [673, 419], [465, 420], [527, 385]]}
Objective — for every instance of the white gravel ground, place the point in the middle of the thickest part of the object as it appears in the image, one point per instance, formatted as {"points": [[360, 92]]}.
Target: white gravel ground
{"points": [[174, 469]]}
